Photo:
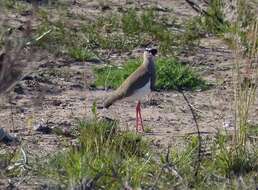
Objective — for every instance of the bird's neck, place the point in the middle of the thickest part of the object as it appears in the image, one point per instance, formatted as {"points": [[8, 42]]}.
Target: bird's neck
{"points": [[148, 61]]}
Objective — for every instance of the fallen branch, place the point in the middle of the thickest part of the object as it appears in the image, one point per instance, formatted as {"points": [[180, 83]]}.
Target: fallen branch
{"points": [[196, 7], [39, 38]]}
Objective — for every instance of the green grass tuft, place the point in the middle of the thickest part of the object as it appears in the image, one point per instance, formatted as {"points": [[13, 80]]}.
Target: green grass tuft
{"points": [[214, 22], [131, 23], [171, 75], [131, 144], [109, 157]]}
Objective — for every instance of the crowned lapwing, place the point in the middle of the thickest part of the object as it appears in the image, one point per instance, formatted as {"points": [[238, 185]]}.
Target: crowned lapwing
{"points": [[137, 85]]}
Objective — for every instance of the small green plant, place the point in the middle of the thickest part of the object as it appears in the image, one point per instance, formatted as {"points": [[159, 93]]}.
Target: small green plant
{"points": [[9, 4], [212, 20], [55, 41], [6, 158], [131, 144], [148, 130], [62, 40], [18, 6], [171, 75], [230, 161], [252, 129], [80, 54], [13, 163]]}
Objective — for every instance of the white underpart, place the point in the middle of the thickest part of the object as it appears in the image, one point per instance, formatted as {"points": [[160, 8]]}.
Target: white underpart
{"points": [[141, 93]]}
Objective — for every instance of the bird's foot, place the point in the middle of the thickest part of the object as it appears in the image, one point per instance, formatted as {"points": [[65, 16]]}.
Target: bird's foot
{"points": [[139, 129]]}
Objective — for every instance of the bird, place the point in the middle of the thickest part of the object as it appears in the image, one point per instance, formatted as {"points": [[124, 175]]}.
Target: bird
{"points": [[140, 83]]}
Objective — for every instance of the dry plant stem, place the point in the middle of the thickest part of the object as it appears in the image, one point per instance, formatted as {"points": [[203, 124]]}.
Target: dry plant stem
{"points": [[198, 160], [245, 86]]}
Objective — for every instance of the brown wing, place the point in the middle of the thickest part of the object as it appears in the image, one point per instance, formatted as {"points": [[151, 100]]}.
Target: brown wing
{"points": [[135, 81]]}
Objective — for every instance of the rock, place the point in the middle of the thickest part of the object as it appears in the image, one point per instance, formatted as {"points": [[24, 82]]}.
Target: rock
{"points": [[28, 77], [7, 139], [95, 61], [19, 89], [42, 127], [78, 86], [57, 102]]}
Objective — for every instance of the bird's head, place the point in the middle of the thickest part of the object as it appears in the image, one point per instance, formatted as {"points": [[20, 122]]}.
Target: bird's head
{"points": [[149, 53]]}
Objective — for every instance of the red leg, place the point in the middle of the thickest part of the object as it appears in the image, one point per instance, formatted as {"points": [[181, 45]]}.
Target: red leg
{"points": [[140, 114]]}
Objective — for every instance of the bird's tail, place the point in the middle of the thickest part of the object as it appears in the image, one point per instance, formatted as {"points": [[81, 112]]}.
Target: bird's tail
{"points": [[112, 98]]}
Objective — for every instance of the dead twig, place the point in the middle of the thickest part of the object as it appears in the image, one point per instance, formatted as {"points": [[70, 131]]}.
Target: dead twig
{"points": [[195, 6], [39, 38], [198, 160]]}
